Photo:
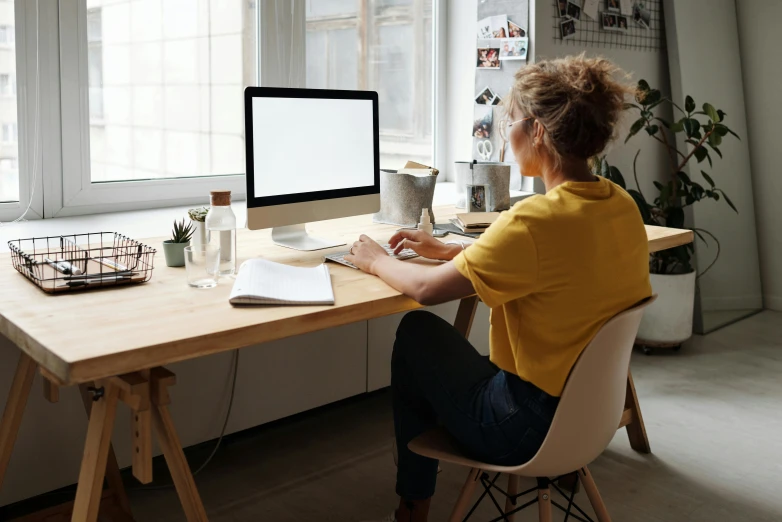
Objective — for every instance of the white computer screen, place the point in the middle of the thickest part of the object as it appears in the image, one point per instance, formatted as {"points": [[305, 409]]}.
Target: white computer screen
{"points": [[310, 145]]}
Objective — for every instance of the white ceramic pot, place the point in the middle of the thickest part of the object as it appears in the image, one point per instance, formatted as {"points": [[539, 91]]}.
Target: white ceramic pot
{"points": [[668, 321], [199, 234]]}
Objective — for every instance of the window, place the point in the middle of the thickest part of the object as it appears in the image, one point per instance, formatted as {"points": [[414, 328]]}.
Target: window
{"points": [[95, 64], [9, 133], [7, 85], [382, 45], [152, 110], [9, 149], [8, 164], [165, 87], [7, 36]]}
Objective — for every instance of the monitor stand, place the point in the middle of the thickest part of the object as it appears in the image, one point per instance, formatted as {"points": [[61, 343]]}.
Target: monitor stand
{"points": [[297, 238]]}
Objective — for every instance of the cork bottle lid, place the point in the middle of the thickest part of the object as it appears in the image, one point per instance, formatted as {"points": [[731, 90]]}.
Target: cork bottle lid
{"points": [[221, 198]]}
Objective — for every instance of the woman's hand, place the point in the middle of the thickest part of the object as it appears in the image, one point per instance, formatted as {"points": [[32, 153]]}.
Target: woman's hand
{"points": [[423, 244], [364, 254]]}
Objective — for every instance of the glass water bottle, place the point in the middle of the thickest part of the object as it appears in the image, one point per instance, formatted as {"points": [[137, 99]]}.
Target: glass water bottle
{"points": [[221, 230]]}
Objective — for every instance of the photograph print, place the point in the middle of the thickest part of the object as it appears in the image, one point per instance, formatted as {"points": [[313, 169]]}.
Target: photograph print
{"points": [[484, 28], [613, 6], [515, 31], [513, 49], [477, 198], [622, 23], [482, 121], [609, 21], [568, 29], [488, 57], [642, 16], [562, 4], [497, 100], [574, 10], [499, 26], [485, 97]]}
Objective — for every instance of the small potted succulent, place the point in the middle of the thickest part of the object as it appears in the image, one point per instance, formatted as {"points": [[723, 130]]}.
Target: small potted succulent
{"points": [[174, 248], [198, 220]]}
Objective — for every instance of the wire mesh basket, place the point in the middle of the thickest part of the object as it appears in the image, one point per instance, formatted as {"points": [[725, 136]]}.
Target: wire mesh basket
{"points": [[82, 261]]}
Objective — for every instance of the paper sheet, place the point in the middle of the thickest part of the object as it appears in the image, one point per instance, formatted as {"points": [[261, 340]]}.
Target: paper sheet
{"points": [[626, 6], [591, 8], [264, 282]]}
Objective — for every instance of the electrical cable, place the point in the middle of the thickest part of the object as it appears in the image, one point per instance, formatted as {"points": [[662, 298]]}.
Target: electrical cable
{"points": [[36, 133]]}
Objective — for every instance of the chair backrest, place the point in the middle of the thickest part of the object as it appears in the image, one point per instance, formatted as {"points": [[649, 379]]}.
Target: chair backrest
{"points": [[593, 400]]}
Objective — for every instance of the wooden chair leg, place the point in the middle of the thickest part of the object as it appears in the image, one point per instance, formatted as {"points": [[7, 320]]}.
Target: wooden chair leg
{"points": [[513, 488], [14, 409], [113, 476], [544, 504], [465, 314], [636, 431], [594, 495], [465, 496], [177, 464], [96, 455]]}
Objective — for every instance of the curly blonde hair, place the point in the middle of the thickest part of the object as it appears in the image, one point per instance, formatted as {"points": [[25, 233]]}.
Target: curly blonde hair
{"points": [[578, 100]]}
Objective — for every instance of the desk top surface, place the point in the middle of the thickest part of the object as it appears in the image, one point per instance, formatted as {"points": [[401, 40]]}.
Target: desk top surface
{"points": [[82, 336]]}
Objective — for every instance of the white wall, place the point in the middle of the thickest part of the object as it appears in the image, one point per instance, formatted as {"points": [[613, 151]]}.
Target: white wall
{"points": [[462, 17], [709, 68], [460, 79], [758, 22], [651, 66]]}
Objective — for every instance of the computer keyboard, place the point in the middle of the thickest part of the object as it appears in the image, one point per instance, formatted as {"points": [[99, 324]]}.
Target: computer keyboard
{"points": [[339, 257]]}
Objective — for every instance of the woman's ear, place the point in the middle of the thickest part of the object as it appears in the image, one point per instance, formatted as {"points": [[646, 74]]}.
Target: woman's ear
{"points": [[538, 133]]}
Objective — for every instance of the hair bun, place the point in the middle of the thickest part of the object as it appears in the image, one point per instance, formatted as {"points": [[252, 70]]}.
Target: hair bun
{"points": [[577, 99]]}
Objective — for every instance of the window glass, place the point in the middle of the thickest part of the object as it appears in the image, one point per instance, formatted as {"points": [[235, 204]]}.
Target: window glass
{"points": [[316, 8], [385, 46], [166, 79], [9, 146], [7, 36]]}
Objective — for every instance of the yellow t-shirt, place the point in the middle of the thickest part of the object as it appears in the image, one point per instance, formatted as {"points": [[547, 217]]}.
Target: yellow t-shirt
{"points": [[553, 269]]}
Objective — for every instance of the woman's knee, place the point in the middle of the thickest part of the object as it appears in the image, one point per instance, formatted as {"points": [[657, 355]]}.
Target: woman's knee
{"points": [[415, 326], [415, 331]]}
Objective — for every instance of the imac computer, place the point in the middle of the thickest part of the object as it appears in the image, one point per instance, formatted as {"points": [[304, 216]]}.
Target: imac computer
{"points": [[311, 155]]}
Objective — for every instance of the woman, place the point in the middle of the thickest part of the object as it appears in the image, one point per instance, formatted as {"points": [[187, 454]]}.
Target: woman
{"points": [[553, 270]]}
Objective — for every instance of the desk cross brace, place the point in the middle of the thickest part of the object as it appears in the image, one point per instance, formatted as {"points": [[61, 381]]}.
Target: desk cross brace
{"points": [[146, 394]]}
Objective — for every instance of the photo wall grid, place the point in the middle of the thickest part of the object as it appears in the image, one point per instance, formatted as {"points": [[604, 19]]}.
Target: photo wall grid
{"points": [[613, 24], [502, 46]]}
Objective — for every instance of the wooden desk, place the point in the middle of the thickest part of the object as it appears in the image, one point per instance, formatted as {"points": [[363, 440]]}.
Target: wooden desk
{"points": [[115, 341]]}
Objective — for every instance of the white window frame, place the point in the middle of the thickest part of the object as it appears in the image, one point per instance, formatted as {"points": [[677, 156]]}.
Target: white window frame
{"points": [[79, 194], [75, 194], [26, 32]]}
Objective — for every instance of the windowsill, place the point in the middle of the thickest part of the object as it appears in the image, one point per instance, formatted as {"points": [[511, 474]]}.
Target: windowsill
{"points": [[156, 222]]}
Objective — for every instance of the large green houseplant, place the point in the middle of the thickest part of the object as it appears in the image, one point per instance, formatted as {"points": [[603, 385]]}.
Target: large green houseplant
{"points": [[702, 132]]}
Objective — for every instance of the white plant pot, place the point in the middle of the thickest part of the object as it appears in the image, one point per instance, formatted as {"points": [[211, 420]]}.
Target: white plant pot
{"points": [[199, 234], [668, 321]]}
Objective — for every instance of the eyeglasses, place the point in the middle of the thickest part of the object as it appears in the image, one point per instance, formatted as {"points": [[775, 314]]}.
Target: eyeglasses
{"points": [[511, 124]]}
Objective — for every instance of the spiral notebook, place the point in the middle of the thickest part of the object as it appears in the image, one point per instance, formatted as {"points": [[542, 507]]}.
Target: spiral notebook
{"points": [[262, 282]]}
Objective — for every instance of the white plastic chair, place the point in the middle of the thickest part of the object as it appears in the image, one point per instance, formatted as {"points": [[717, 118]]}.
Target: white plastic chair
{"points": [[586, 420]]}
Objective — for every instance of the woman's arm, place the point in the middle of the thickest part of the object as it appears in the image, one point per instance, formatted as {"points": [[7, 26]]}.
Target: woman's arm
{"points": [[428, 285]]}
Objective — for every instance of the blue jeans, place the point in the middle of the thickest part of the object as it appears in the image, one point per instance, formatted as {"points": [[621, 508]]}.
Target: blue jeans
{"points": [[437, 377]]}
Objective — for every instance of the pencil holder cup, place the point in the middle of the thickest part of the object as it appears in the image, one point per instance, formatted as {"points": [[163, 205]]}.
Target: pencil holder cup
{"points": [[496, 177], [403, 197]]}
